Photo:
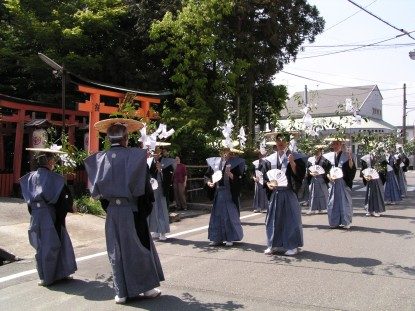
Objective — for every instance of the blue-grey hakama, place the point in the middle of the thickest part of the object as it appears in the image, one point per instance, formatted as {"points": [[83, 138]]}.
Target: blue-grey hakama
{"points": [[158, 220], [260, 202], [120, 177], [375, 197], [49, 200], [339, 207], [319, 192], [224, 223], [392, 191], [283, 224]]}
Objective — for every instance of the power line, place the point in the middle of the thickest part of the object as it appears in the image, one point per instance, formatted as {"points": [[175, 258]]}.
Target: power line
{"points": [[356, 48], [357, 45], [348, 77], [347, 17], [343, 86], [377, 17]]}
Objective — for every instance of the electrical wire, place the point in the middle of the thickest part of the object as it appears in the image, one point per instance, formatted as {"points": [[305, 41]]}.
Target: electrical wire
{"points": [[343, 86], [353, 49], [347, 17], [377, 17]]}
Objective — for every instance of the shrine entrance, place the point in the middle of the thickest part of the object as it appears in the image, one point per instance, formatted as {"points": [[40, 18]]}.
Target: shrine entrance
{"points": [[15, 136]]}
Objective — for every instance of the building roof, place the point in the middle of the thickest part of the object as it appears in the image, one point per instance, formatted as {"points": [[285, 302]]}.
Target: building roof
{"points": [[326, 102], [366, 124], [80, 80]]}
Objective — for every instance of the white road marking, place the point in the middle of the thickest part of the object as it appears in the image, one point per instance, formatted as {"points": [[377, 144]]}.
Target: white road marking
{"points": [[33, 271]]}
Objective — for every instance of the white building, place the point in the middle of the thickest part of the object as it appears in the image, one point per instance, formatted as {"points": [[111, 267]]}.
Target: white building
{"points": [[328, 108]]}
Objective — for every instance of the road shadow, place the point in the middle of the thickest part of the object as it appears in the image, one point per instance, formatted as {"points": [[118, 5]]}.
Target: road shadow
{"points": [[204, 246], [252, 224], [186, 302], [396, 267], [404, 233], [99, 289], [200, 245], [307, 256]]}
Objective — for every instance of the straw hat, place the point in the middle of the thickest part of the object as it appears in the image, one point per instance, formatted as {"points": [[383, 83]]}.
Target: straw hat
{"points": [[275, 134], [332, 139], [162, 143], [45, 150], [232, 148], [131, 124]]}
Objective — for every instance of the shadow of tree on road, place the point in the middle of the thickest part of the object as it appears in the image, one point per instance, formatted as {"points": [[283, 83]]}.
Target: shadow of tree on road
{"points": [[307, 256], [101, 290], [98, 290], [405, 233], [187, 302]]}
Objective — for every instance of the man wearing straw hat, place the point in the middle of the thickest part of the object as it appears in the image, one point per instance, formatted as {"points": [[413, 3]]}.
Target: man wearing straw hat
{"points": [[342, 173], [283, 222], [119, 178], [223, 178], [49, 200]]}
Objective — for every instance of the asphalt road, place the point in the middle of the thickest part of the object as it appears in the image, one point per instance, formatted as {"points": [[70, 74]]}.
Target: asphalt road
{"points": [[370, 267]]}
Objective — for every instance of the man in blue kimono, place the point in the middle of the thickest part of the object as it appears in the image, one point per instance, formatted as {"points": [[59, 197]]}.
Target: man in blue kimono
{"points": [[119, 177], [49, 200], [283, 222], [339, 208], [224, 224]]}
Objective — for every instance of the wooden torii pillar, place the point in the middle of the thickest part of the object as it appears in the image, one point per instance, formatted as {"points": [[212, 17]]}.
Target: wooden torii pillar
{"points": [[95, 107]]}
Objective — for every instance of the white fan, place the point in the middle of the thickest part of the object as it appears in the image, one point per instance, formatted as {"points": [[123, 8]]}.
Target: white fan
{"points": [[370, 173], [316, 169], [336, 173], [277, 178], [154, 183], [216, 176], [389, 168], [260, 176]]}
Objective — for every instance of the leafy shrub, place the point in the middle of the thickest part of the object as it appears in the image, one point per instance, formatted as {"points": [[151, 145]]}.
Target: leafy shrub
{"points": [[88, 205]]}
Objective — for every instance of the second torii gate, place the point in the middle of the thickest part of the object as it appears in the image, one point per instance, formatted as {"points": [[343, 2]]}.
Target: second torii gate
{"points": [[95, 107]]}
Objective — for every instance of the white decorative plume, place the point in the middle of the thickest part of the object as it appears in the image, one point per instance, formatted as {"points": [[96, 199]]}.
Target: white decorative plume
{"points": [[350, 108], [242, 137], [227, 131], [162, 131], [150, 141], [262, 147]]}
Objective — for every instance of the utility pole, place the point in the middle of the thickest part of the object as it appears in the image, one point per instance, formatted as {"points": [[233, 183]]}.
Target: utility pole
{"points": [[305, 96], [404, 115]]}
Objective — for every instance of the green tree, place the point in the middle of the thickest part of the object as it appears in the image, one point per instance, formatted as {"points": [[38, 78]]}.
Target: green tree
{"points": [[221, 52], [96, 39]]}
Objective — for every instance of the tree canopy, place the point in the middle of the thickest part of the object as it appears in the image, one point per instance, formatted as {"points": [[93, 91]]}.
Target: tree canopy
{"points": [[216, 56]]}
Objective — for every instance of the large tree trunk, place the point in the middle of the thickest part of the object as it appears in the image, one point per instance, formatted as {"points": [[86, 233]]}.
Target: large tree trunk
{"points": [[250, 131]]}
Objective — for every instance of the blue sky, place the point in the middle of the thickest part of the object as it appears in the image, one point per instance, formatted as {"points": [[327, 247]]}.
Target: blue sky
{"points": [[389, 67]]}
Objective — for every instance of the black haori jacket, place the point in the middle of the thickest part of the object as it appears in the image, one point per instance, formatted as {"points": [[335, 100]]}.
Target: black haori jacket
{"points": [[238, 171]]}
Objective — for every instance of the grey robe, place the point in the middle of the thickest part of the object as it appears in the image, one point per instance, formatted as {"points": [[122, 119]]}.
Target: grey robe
{"points": [[319, 192], [392, 190], [158, 220], [224, 223], [339, 208], [260, 202], [120, 177], [283, 222], [49, 200]]}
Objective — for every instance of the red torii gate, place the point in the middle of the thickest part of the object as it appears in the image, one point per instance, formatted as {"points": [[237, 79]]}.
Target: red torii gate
{"points": [[22, 107], [95, 107]]}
